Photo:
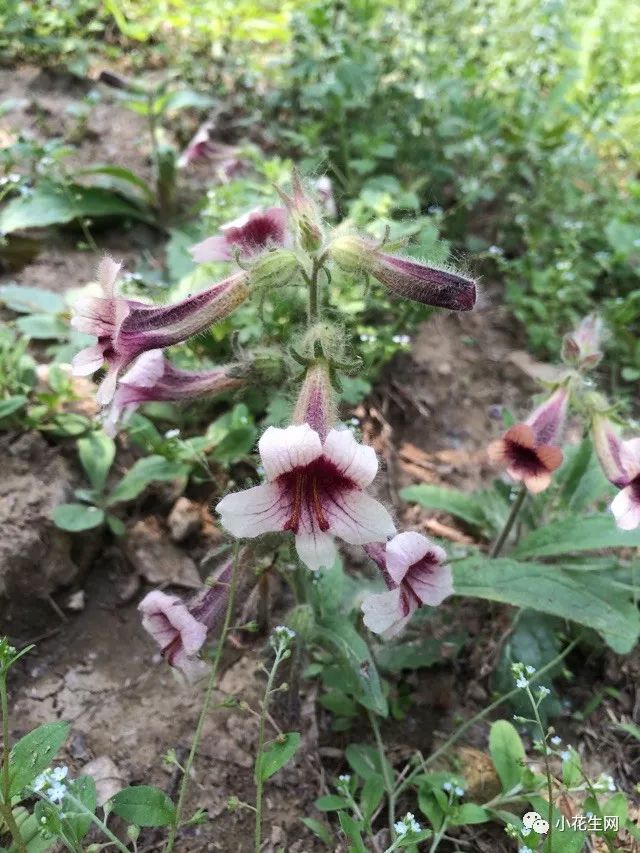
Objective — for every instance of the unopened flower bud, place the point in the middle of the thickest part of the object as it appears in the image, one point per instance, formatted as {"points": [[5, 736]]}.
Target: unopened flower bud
{"points": [[304, 214], [133, 832], [316, 404], [424, 283], [275, 268]]}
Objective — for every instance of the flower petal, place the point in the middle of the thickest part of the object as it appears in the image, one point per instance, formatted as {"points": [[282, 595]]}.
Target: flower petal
{"points": [[535, 483], [626, 509], [407, 549], [358, 518], [316, 549], [87, 361], [356, 461], [432, 583], [630, 457], [383, 613], [147, 369], [282, 450], [262, 509], [165, 616], [212, 249], [108, 271]]}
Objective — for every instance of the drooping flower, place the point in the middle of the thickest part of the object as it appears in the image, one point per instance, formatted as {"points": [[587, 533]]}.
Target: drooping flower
{"points": [[154, 378], [415, 571], [425, 283], [528, 450], [620, 461], [181, 629], [315, 489], [126, 328], [249, 235], [581, 348]]}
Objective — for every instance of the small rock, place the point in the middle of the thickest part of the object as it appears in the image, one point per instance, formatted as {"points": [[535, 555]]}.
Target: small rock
{"points": [[76, 601], [184, 519], [78, 748], [444, 369], [106, 775], [156, 558]]}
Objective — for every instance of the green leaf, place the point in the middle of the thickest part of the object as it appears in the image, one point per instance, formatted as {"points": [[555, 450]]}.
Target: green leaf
{"points": [[77, 823], [31, 300], [331, 803], [352, 829], [630, 729], [35, 752], [595, 532], [77, 517], [43, 327], [145, 471], [144, 805], [97, 451], [276, 754], [371, 796], [585, 597], [468, 814], [418, 654], [507, 754], [50, 204], [319, 829], [365, 761], [452, 501], [120, 175], [30, 832], [12, 404]]}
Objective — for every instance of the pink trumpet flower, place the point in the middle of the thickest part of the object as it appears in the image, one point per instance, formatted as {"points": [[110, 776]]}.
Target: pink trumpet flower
{"points": [[154, 378], [410, 279], [415, 572], [620, 461], [581, 348], [126, 328], [528, 450], [181, 629], [249, 235]]}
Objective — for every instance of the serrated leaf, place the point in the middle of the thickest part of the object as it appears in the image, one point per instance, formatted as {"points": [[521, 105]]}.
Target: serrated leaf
{"points": [[585, 597], [507, 753], [569, 535], [77, 517], [33, 753], [143, 805], [276, 754]]}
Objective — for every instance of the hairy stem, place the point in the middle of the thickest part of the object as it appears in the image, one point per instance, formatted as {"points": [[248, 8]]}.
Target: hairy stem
{"points": [[206, 704], [386, 775], [506, 530], [547, 768]]}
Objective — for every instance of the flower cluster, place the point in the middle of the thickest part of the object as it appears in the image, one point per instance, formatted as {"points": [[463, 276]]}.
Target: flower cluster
{"points": [[51, 784], [408, 824]]}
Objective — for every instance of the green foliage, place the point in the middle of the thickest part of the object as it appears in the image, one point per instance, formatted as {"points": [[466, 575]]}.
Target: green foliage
{"points": [[276, 754], [143, 805], [33, 753]]}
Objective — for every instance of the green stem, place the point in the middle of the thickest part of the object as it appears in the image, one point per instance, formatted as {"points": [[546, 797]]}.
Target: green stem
{"points": [[314, 306], [437, 838], [386, 775], [543, 736], [102, 826], [206, 704], [425, 762], [264, 708], [506, 530], [7, 812]]}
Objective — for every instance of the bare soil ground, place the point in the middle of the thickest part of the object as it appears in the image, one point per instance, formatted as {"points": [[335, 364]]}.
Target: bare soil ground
{"points": [[431, 418]]}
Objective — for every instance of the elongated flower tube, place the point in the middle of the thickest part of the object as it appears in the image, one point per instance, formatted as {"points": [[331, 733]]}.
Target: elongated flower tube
{"points": [[528, 450], [410, 279], [125, 328], [154, 378], [415, 572], [581, 348], [181, 629], [316, 480], [620, 461], [249, 235]]}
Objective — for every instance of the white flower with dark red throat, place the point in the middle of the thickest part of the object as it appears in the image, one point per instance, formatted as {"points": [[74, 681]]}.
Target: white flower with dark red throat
{"points": [[528, 450], [125, 328], [181, 629], [154, 378], [620, 461], [411, 279], [315, 489], [249, 235], [415, 572]]}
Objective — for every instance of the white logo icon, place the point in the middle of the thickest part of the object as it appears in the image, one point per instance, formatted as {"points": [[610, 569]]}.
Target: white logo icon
{"points": [[532, 820]]}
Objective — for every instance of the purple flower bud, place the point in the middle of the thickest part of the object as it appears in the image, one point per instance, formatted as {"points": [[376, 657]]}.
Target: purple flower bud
{"points": [[154, 378], [125, 328], [581, 348], [316, 404], [410, 279], [249, 235], [303, 212], [620, 461], [181, 629]]}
